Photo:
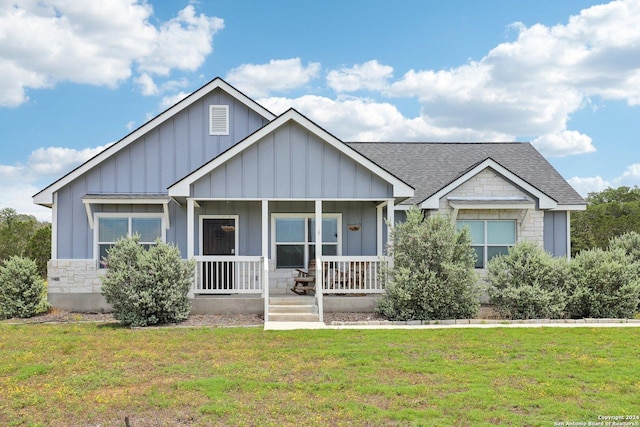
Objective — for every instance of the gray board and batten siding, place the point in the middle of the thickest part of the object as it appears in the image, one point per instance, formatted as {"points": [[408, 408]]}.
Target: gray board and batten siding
{"points": [[555, 233], [149, 165], [361, 242], [292, 163]]}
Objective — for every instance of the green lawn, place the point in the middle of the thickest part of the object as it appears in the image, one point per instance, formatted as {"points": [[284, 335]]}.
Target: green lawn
{"points": [[88, 374]]}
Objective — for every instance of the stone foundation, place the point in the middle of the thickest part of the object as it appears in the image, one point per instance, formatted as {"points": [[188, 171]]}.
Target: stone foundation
{"points": [[73, 276]]}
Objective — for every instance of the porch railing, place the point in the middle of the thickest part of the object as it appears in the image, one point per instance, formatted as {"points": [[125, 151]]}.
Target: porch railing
{"points": [[353, 274], [228, 274]]}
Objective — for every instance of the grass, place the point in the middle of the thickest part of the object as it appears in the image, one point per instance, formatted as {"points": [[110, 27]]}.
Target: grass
{"points": [[88, 374]]}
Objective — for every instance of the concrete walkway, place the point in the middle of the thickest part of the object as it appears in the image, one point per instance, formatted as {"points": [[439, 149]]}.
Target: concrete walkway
{"points": [[458, 324]]}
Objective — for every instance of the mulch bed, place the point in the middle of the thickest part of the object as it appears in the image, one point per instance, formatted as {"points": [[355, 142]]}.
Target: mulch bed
{"points": [[211, 320]]}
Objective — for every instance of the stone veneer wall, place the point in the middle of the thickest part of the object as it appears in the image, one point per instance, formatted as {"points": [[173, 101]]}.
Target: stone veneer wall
{"points": [[74, 284], [488, 183], [67, 276]]}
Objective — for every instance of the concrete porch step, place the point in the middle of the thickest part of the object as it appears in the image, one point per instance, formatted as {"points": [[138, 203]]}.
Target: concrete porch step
{"points": [[310, 308], [293, 308], [292, 300], [294, 317]]}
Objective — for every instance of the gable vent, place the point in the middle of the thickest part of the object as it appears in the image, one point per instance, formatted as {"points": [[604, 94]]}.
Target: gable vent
{"points": [[218, 120]]}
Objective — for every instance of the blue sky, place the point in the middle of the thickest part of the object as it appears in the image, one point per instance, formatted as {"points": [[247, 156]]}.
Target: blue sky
{"points": [[565, 75]]}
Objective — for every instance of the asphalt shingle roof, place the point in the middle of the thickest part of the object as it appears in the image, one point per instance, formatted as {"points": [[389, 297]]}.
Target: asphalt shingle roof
{"points": [[430, 166]]}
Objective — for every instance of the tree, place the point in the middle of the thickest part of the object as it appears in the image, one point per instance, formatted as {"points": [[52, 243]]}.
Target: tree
{"points": [[39, 248], [610, 213], [22, 235], [433, 275]]}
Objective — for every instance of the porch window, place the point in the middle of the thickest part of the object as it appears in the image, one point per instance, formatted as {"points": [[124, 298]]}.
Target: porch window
{"points": [[490, 238], [295, 239], [112, 228]]}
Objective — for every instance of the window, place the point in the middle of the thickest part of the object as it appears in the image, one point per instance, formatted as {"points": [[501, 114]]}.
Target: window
{"points": [[490, 238], [295, 238], [218, 120], [111, 228]]}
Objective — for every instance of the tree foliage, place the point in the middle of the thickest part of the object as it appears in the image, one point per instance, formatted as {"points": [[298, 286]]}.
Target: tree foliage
{"points": [[22, 290], [147, 287], [24, 236], [610, 213], [433, 274]]}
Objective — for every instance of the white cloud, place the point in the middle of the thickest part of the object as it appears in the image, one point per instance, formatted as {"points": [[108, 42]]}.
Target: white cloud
{"points": [[20, 181], [563, 144], [84, 43], [630, 177], [370, 76], [532, 86], [147, 85], [16, 196], [584, 186], [182, 43], [358, 119], [259, 80], [54, 161]]}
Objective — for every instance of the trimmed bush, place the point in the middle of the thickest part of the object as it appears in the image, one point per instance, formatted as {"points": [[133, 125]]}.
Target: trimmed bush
{"points": [[603, 284], [629, 242], [528, 283], [433, 275], [147, 287], [23, 292]]}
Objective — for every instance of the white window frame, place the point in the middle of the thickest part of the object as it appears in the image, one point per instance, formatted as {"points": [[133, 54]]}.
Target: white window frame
{"points": [[486, 245], [212, 129], [130, 216], [306, 244]]}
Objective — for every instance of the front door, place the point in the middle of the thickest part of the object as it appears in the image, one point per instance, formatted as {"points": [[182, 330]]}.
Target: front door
{"points": [[218, 238]]}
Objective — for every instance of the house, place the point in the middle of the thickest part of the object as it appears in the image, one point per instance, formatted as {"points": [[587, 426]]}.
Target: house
{"points": [[252, 196]]}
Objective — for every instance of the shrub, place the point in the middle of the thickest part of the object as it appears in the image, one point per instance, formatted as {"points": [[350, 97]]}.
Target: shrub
{"points": [[528, 283], [629, 242], [603, 284], [147, 287], [433, 275], [23, 292]]}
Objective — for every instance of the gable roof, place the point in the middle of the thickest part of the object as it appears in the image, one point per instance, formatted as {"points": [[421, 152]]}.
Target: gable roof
{"points": [[182, 187], [432, 167], [45, 196]]}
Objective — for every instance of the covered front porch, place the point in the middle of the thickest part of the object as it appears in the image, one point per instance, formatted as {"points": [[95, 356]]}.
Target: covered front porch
{"points": [[226, 236]]}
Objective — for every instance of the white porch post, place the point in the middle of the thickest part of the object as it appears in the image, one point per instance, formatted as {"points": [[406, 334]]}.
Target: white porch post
{"points": [[569, 235], [319, 272], [390, 222], [265, 258], [379, 229], [54, 227], [190, 239]]}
